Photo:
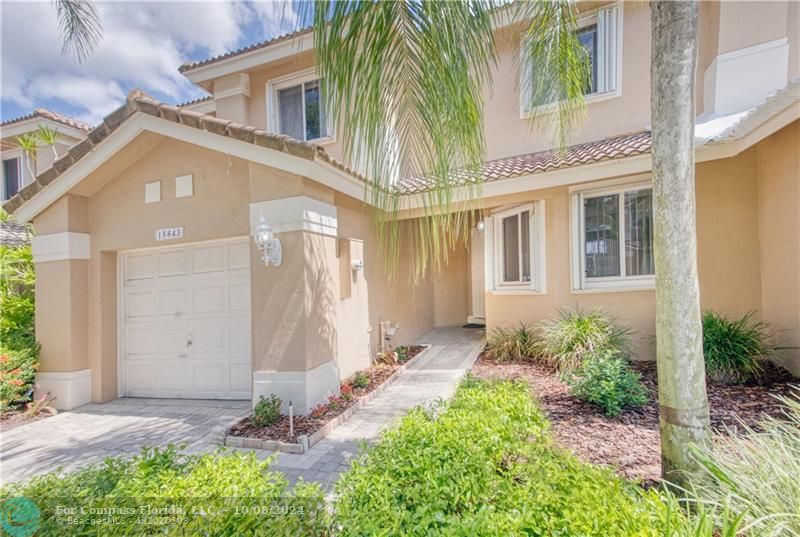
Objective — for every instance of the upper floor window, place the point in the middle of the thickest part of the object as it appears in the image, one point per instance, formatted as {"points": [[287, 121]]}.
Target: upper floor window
{"points": [[12, 176], [614, 236], [297, 107], [599, 32]]}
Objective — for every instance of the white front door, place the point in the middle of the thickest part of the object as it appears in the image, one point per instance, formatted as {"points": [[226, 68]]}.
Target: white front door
{"points": [[185, 315], [477, 265]]}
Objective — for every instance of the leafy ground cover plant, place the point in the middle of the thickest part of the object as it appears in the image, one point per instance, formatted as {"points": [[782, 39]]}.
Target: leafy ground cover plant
{"points": [[17, 372], [169, 493], [267, 411], [485, 465], [506, 344], [754, 473], [733, 348], [605, 379], [567, 339], [360, 379]]}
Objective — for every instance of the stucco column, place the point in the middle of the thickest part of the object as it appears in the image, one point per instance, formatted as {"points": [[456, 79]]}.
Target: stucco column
{"points": [[294, 305], [232, 98], [62, 267]]}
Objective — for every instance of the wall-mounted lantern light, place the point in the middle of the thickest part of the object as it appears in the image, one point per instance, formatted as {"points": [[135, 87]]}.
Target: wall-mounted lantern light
{"points": [[481, 226], [357, 265], [268, 245]]}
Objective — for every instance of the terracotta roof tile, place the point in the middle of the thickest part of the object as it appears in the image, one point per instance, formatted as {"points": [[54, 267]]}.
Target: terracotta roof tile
{"points": [[14, 235], [196, 101], [53, 116], [543, 161], [256, 46]]}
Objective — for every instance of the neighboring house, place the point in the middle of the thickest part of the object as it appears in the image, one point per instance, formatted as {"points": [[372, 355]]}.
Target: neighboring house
{"points": [[149, 282], [19, 166]]}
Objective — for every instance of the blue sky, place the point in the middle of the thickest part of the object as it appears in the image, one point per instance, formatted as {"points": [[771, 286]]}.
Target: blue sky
{"points": [[142, 46]]}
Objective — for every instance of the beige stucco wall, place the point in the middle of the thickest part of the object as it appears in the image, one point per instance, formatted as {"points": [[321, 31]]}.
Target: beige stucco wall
{"points": [[728, 257], [778, 168]]}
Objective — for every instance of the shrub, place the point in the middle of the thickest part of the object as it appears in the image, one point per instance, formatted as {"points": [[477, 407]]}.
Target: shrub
{"points": [[511, 344], [267, 411], [733, 347], [218, 494], [485, 465], [347, 391], [605, 379], [360, 380], [755, 473], [17, 298], [567, 339], [17, 372]]}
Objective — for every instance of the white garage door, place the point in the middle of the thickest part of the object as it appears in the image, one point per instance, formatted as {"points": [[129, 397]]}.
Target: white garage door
{"points": [[186, 321]]}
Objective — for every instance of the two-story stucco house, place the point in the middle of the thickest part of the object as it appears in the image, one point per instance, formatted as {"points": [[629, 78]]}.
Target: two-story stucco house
{"points": [[150, 283], [20, 167]]}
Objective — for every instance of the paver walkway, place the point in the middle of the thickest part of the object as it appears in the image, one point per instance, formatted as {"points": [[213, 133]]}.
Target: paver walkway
{"points": [[95, 431], [435, 375], [92, 432]]}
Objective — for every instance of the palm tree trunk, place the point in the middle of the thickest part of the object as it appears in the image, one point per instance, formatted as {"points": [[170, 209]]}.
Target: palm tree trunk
{"points": [[683, 404]]}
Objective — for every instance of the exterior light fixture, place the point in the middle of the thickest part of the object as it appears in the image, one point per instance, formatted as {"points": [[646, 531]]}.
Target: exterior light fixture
{"points": [[481, 226], [268, 245]]}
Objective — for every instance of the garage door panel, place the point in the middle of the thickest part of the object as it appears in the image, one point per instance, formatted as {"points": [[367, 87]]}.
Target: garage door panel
{"points": [[187, 321], [174, 302], [141, 304], [212, 258], [139, 267], [209, 299], [173, 263], [239, 331], [209, 337]]}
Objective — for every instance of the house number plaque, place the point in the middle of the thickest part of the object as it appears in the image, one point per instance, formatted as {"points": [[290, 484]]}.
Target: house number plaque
{"points": [[169, 233]]}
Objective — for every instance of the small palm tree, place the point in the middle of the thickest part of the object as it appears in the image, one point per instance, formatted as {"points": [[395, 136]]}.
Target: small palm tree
{"points": [[49, 137], [29, 144]]}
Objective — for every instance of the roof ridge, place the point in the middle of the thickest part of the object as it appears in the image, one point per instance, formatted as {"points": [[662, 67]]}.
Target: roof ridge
{"points": [[53, 116]]}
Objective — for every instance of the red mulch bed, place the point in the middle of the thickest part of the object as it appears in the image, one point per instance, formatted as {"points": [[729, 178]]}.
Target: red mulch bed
{"points": [[308, 425], [630, 442]]}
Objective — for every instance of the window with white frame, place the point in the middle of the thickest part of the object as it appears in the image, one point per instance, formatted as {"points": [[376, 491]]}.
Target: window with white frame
{"points": [[297, 107], [516, 249], [12, 176], [614, 236], [598, 31]]}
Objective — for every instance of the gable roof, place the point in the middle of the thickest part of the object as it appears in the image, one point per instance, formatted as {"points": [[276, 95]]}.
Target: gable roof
{"points": [[43, 113], [137, 103]]}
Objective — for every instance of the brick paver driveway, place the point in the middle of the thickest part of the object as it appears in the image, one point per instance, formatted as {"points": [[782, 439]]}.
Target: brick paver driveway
{"points": [[95, 431], [92, 432]]}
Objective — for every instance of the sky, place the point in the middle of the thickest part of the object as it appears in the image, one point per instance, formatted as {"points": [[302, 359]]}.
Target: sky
{"points": [[142, 46]]}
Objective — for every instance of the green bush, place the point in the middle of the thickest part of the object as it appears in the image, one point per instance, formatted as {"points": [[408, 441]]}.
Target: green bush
{"points": [[733, 347], [360, 380], [267, 411], [504, 344], [216, 494], [486, 465], [754, 473], [17, 372], [17, 298], [605, 379], [567, 339]]}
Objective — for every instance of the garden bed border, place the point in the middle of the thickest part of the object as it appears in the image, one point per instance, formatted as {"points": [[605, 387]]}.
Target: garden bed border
{"points": [[305, 442]]}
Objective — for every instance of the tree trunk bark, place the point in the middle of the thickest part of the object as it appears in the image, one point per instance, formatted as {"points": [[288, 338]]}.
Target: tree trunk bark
{"points": [[683, 403]]}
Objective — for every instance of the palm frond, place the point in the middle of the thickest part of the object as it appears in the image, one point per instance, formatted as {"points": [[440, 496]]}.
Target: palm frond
{"points": [[79, 27], [47, 135]]}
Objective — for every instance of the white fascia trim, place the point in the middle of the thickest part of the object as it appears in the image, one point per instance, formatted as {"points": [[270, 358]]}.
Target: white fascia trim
{"points": [[250, 60], [60, 246], [71, 389], [319, 171], [299, 213], [30, 125]]}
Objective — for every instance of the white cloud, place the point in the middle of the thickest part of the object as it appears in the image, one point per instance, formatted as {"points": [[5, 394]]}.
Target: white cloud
{"points": [[142, 46], [276, 17]]}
